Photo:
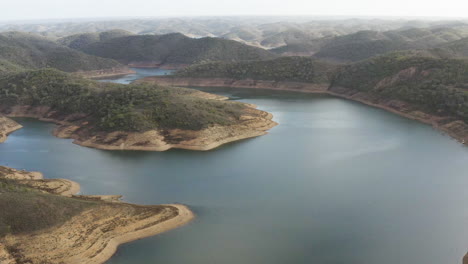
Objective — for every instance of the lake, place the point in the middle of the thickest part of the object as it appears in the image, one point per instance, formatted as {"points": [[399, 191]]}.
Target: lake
{"points": [[335, 182]]}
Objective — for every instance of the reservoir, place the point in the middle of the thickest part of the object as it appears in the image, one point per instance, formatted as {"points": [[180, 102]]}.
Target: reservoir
{"points": [[336, 182]]}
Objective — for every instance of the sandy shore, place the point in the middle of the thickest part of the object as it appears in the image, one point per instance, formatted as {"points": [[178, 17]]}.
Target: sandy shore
{"points": [[456, 129], [184, 216], [7, 126]]}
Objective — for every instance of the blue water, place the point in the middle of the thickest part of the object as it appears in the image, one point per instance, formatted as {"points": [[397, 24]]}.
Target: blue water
{"points": [[336, 182], [140, 73]]}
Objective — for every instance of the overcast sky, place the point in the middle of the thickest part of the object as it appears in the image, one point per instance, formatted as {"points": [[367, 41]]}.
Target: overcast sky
{"points": [[57, 9]]}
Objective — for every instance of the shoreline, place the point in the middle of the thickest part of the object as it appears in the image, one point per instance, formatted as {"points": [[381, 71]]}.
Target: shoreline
{"points": [[252, 124], [150, 64], [308, 88], [125, 222], [105, 73], [463, 139], [9, 126], [185, 216], [138, 229], [232, 83]]}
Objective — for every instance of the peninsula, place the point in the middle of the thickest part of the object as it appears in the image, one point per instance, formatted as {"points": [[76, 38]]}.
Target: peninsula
{"points": [[129, 117], [44, 221]]}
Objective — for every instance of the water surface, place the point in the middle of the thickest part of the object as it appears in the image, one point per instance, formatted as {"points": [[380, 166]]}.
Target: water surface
{"points": [[335, 182], [139, 74]]}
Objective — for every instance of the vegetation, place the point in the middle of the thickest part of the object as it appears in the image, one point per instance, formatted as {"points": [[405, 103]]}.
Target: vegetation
{"points": [[174, 48], [301, 49], [20, 51], [25, 210], [436, 85], [79, 41], [355, 51], [112, 107], [297, 69], [366, 44], [433, 84], [267, 32], [456, 49]]}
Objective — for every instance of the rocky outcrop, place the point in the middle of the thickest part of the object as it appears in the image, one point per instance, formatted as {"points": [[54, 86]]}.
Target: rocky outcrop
{"points": [[465, 259], [7, 126], [232, 83]]}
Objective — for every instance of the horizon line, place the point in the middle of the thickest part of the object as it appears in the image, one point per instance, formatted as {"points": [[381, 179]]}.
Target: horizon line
{"points": [[305, 16]]}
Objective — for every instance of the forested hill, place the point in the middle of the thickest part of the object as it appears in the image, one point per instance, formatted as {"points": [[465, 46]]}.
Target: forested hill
{"points": [[293, 69], [79, 41], [114, 107], [174, 48], [456, 49], [19, 51], [366, 44], [437, 86]]}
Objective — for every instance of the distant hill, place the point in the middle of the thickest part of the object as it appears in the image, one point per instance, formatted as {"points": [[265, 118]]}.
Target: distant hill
{"points": [[287, 37], [174, 49], [308, 48], [366, 44], [29, 51], [273, 32], [295, 69], [79, 41], [455, 49]]}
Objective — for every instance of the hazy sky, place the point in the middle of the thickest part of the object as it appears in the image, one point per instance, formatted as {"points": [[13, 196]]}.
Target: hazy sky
{"points": [[47, 9]]}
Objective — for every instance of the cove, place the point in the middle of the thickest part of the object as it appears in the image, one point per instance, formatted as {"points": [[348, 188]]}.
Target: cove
{"points": [[335, 182]]}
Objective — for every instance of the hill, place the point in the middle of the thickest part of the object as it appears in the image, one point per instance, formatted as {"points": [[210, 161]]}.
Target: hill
{"points": [[437, 86], [366, 44], [414, 84], [293, 69], [138, 116], [455, 49], [43, 221], [253, 30], [20, 51], [79, 41], [174, 49]]}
